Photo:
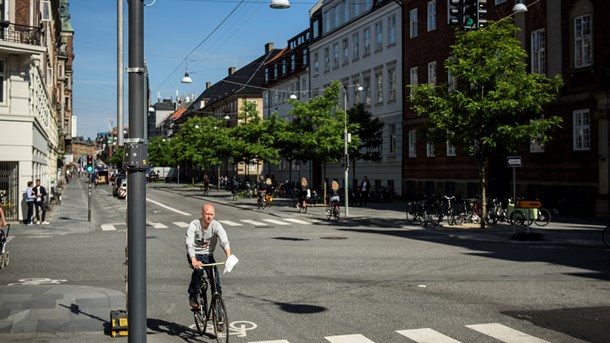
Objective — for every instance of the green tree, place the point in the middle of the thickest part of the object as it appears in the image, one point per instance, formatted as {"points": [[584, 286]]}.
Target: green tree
{"points": [[159, 151], [495, 105], [253, 140], [320, 124], [370, 132]]}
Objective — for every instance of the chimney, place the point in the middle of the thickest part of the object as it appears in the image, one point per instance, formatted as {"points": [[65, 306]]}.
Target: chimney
{"points": [[231, 70], [268, 47], [208, 85]]}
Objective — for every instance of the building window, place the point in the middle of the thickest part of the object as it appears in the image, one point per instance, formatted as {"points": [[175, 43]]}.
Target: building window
{"points": [[345, 51], [305, 57], [367, 89], [367, 41], [412, 141], [392, 84], [356, 94], [430, 149], [356, 8], [451, 151], [326, 59], [49, 76], [2, 78], [284, 67], [355, 46], [379, 77], [316, 64], [392, 30], [379, 36], [45, 10], [431, 15], [393, 138], [346, 6], [327, 16], [337, 17], [293, 62], [413, 79], [336, 55], [582, 130], [538, 52], [266, 74], [583, 42], [413, 23], [432, 73]]}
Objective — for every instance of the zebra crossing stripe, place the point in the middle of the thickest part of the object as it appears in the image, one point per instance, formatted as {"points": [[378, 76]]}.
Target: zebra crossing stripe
{"points": [[182, 225], [230, 223], [253, 222], [348, 339], [297, 221], [504, 333], [158, 225], [426, 335], [275, 222], [108, 227]]}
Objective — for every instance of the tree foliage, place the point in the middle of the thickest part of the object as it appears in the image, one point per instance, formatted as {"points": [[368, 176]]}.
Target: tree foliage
{"points": [[496, 104]]}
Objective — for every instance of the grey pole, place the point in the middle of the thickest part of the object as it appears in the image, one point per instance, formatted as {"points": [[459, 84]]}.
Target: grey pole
{"points": [[345, 138], [136, 202], [119, 74]]}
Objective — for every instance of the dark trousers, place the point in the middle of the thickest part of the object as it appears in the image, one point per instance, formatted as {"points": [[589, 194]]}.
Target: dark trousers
{"points": [[40, 206], [364, 197], [195, 284], [30, 212]]}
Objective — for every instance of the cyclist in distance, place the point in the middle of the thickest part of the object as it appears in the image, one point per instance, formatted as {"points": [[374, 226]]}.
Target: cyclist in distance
{"points": [[202, 235], [334, 191], [302, 191]]}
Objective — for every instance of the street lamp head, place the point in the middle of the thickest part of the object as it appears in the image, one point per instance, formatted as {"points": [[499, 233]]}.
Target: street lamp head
{"points": [[279, 4], [360, 88], [227, 117], [186, 78], [293, 97], [519, 7]]}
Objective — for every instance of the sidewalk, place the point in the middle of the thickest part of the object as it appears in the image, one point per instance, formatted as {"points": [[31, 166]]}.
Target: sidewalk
{"points": [[561, 230]]}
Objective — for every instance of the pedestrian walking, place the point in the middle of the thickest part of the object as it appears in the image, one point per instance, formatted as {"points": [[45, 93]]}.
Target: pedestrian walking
{"points": [[41, 205], [365, 187]]}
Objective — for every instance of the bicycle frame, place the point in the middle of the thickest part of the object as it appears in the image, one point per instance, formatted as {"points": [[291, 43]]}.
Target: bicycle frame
{"points": [[204, 313]]}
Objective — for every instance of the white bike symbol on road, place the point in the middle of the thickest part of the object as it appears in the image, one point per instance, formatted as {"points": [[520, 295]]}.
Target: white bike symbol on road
{"points": [[238, 328]]}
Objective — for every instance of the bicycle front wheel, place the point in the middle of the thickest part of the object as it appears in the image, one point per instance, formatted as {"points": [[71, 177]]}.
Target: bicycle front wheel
{"points": [[219, 319], [544, 217], [199, 314]]}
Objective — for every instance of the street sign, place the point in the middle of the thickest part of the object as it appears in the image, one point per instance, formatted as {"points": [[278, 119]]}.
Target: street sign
{"points": [[513, 161]]}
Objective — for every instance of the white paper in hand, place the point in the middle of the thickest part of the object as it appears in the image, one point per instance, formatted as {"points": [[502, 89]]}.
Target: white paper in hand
{"points": [[230, 263]]}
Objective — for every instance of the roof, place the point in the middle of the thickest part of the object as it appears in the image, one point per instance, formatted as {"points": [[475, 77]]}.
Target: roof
{"points": [[247, 80], [177, 114]]}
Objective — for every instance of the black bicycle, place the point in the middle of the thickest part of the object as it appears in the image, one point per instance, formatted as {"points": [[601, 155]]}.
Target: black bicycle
{"points": [[216, 310], [332, 209]]}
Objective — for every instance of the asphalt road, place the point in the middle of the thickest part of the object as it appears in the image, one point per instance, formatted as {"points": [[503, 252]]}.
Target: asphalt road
{"points": [[302, 278]]}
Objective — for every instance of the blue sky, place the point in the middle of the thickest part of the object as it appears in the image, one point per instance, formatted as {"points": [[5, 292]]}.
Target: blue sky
{"points": [[172, 30]]}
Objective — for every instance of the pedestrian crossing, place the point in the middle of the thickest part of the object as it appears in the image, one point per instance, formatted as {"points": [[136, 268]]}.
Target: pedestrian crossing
{"points": [[268, 222], [500, 332]]}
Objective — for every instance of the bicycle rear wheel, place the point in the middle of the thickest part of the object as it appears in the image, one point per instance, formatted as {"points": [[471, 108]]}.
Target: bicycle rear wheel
{"points": [[336, 212], [329, 212], [543, 218], [219, 319], [411, 213]]}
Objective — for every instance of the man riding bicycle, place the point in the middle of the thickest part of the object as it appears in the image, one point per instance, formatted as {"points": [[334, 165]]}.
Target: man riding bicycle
{"points": [[202, 235]]}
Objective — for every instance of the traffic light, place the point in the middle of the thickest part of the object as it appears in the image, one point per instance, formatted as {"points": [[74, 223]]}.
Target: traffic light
{"points": [[470, 9], [89, 165], [482, 11], [455, 13]]}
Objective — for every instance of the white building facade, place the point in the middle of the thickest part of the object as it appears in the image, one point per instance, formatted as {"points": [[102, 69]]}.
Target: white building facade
{"points": [[361, 46]]}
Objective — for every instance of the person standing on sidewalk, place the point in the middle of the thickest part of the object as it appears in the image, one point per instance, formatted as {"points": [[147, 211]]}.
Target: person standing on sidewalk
{"points": [[41, 206], [30, 198], [365, 187]]}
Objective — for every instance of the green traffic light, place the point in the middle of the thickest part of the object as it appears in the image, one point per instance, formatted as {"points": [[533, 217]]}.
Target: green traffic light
{"points": [[89, 169], [469, 22]]}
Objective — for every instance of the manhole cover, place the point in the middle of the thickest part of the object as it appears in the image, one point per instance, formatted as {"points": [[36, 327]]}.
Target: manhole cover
{"points": [[331, 237]]}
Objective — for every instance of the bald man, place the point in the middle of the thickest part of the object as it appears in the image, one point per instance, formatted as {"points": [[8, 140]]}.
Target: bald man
{"points": [[202, 235]]}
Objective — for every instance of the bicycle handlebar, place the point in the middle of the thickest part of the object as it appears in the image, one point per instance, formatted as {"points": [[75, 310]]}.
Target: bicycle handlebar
{"points": [[209, 265]]}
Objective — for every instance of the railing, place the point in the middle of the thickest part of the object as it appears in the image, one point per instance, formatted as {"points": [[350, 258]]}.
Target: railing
{"points": [[19, 33]]}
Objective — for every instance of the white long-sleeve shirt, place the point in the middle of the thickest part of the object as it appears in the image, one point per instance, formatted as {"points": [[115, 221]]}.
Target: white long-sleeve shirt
{"points": [[203, 242]]}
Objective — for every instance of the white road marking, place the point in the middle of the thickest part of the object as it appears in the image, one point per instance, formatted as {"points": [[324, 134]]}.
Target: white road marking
{"points": [[108, 227], [230, 223], [167, 207], [158, 225], [426, 335], [275, 222], [297, 221], [504, 333], [348, 339], [253, 222], [182, 225]]}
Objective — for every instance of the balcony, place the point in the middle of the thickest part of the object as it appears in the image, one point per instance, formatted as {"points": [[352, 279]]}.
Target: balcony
{"points": [[16, 33]]}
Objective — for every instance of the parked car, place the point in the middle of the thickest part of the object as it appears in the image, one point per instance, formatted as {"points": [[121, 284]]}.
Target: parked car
{"points": [[122, 191], [116, 184]]}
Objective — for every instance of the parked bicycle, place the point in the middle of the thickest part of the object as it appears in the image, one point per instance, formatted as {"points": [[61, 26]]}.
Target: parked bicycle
{"points": [[215, 310], [424, 212], [452, 214]]}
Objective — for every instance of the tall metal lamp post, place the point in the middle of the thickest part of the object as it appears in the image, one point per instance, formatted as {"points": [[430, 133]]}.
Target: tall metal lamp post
{"points": [[346, 139]]}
